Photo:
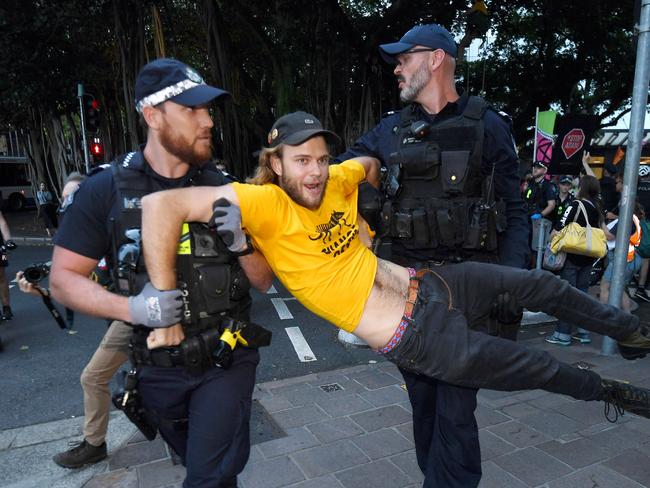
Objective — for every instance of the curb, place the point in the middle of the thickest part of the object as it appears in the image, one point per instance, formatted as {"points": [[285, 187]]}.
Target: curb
{"points": [[33, 241]]}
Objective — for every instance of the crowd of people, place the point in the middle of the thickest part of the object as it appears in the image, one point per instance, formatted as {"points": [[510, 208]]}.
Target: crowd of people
{"points": [[449, 203]]}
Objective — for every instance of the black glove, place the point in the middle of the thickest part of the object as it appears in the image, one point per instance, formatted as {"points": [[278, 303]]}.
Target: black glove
{"points": [[10, 245]]}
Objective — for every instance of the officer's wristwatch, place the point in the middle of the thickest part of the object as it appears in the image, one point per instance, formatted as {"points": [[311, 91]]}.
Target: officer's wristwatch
{"points": [[250, 249]]}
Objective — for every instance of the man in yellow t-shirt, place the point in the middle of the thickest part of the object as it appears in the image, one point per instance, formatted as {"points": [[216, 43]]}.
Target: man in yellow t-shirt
{"points": [[301, 213]]}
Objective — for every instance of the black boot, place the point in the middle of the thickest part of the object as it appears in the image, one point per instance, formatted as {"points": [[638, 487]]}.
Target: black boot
{"points": [[624, 397]]}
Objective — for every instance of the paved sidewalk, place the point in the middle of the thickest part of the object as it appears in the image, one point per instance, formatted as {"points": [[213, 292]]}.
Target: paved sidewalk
{"points": [[351, 428]]}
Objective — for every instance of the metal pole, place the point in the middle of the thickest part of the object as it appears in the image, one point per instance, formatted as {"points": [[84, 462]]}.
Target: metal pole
{"points": [[632, 157], [80, 95], [541, 242]]}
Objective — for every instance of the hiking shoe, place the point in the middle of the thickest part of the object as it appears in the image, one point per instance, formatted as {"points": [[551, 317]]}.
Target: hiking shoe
{"points": [[553, 339], [641, 294], [80, 454], [623, 397], [581, 337], [637, 345], [7, 314]]}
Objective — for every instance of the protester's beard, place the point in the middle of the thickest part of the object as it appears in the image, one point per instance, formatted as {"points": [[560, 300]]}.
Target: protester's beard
{"points": [[294, 189], [418, 81], [178, 146]]}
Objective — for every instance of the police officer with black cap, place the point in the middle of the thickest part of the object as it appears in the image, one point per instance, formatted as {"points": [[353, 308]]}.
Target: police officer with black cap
{"points": [[540, 194], [452, 189], [201, 406]]}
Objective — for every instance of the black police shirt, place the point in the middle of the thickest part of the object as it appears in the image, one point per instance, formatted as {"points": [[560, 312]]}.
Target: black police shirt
{"points": [[87, 229], [498, 149]]}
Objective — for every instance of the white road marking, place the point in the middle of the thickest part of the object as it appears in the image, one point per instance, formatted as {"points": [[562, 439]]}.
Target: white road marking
{"points": [[304, 352], [271, 291], [281, 308]]}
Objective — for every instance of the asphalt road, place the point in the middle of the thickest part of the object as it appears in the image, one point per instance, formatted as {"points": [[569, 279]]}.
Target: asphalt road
{"points": [[41, 363]]}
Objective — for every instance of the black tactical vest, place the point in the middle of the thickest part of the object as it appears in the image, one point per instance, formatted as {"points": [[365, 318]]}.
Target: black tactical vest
{"points": [[444, 205], [212, 282]]}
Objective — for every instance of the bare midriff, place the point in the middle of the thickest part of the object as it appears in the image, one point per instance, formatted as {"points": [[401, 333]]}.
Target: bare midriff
{"points": [[385, 305]]}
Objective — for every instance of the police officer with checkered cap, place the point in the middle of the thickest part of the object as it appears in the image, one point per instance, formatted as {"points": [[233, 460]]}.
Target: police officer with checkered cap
{"points": [[104, 219]]}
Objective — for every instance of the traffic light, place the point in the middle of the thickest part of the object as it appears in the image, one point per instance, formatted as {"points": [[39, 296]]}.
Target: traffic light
{"points": [[97, 148], [91, 112]]}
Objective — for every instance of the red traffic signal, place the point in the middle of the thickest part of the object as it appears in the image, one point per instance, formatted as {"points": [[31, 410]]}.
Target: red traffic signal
{"points": [[91, 114], [97, 148]]}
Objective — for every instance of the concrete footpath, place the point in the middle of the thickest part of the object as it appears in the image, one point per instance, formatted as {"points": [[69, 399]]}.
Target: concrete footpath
{"points": [[351, 428]]}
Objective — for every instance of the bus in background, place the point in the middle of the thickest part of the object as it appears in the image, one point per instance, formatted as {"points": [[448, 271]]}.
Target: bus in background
{"points": [[16, 191]]}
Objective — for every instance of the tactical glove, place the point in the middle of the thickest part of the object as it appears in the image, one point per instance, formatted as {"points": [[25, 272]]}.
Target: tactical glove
{"points": [[156, 308], [10, 245], [227, 219]]}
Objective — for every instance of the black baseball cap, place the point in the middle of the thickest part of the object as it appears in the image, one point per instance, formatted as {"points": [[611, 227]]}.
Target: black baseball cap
{"points": [[539, 163], [169, 79], [295, 128], [432, 36], [566, 179], [611, 168]]}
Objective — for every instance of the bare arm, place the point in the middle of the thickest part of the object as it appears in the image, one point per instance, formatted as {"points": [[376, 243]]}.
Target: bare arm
{"points": [[163, 214], [70, 285], [4, 228], [586, 157], [373, 169], [257, 270]]}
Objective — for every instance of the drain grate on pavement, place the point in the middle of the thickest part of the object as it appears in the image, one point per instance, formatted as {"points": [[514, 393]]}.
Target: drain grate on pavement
{"points": [[331, 387], [263, 427]]}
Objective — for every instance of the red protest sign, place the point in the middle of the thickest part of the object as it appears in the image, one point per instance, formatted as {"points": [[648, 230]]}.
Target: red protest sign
{"points": [[573, 142]]}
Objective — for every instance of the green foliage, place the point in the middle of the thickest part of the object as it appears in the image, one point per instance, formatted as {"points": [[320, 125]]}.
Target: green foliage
{"points": [[315, 55]]}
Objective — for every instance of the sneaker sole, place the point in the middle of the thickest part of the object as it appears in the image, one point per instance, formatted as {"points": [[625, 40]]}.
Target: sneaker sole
{"points": [[631, 352], [559, 343], [581, 341]]}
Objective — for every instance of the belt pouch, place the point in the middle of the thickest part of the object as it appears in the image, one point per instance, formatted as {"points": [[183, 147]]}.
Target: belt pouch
{"points": [[193, 355], [404, 225]]}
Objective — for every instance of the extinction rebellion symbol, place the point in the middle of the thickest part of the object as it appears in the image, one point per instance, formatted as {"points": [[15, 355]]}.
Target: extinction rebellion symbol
{"points": [[573, 142]]}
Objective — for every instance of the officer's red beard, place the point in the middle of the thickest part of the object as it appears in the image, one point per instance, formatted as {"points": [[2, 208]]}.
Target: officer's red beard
{"points": [[195, 153]]}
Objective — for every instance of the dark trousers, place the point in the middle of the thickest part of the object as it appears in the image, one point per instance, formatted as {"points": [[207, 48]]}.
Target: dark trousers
{"points": [[445, 432], [204, 418], [577, 276], [440, 344]]}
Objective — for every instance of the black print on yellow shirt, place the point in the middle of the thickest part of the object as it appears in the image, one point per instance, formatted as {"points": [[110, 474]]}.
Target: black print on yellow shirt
{"points": [[337, 243]]}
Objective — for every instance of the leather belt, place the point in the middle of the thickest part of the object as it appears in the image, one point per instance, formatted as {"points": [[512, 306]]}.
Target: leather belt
{"points": [[414, 285]]}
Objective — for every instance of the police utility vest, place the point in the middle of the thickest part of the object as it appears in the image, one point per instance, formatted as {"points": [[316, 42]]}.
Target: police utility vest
{"points": [[441, 203], [208, 274]]}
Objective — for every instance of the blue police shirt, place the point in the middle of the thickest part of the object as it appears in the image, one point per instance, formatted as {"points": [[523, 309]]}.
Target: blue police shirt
{"points": [[498, 149]]}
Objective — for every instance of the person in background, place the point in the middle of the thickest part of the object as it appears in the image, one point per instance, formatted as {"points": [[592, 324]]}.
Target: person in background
{"points": [[577, 268], [643, 196], [6, 244], [610, 191], [633, 259], [46, 208], [564, 199]]}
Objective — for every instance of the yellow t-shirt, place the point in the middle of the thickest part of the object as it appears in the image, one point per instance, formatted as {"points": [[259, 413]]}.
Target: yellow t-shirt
{"points": [[316, 254]]}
